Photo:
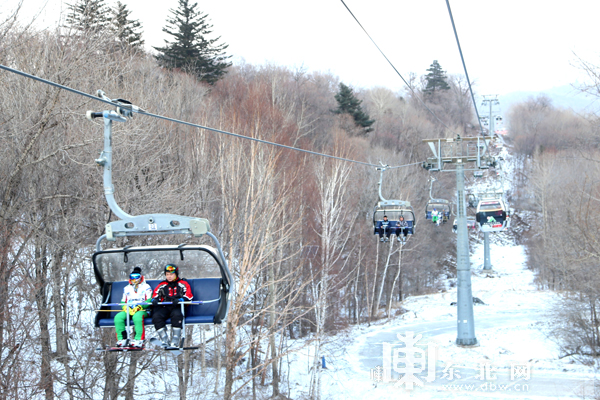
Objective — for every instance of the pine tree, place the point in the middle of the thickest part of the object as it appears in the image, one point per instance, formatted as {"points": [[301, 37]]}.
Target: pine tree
{"points": [[436, 79], [349, 104], [89, 16], [127, 31], [191, 50]]}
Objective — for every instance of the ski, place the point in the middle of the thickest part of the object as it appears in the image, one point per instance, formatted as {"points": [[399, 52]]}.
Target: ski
{"points": [[176, 351], [157, 342]]}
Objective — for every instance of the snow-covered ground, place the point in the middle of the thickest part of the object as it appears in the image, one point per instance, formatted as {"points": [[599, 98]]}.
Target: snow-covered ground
{"points": [[517, 355], [513, 329]]}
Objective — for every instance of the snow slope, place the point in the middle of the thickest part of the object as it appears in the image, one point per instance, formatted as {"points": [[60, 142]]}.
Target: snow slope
{"points": [[513, 330], [516, 357]]}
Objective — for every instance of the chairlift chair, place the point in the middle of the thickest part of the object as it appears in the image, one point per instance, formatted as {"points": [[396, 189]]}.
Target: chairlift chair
{"points": [[491, 214], [394, 209], [472, 200], [200, 265], [471, 223], [204, 267], [441, 205]]}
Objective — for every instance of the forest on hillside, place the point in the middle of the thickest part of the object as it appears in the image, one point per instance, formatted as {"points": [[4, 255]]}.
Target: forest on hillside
{"points": [[296, 228], [558, 183]]}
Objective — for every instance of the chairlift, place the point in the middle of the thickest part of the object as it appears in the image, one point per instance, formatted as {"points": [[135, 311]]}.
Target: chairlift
{"points": [[492, 214], [471, 223], [204, 267], [440, 205], [393, 210], [472, 200], [200, 265]]}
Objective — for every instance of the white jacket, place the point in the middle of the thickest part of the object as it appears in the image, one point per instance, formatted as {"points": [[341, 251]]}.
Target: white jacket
{"points": [[143, 293]]}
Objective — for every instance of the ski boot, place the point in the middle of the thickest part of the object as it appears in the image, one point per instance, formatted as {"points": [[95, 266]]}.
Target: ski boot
{"points": [[164, 336], [176, 337]]}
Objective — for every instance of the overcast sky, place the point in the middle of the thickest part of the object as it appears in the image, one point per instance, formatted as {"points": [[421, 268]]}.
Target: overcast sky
{"points": [[509, 45]]}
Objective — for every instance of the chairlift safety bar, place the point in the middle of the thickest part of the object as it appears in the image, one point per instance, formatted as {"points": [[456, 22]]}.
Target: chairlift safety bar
{"points": [[196, 302]]}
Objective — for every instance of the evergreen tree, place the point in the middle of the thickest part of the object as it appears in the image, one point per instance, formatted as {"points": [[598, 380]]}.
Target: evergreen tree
{"points": [[127, 31], [349, 104], [89, 16], [436, 79], [191, 50]]}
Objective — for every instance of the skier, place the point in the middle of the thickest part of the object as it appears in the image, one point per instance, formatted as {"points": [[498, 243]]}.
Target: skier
{"points": [[139, 293], [384, 229], [440, 218], [175, 290], [434, 216], [401, 229]]}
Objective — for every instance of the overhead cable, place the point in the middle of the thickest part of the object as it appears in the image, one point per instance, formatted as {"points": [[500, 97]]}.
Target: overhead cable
{"points": [[142, 112], [464, 66], [392, 65]]}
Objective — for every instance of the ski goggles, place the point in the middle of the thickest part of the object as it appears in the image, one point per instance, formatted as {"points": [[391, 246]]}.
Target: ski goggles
{"points": [[170, 268], [135, 276]]}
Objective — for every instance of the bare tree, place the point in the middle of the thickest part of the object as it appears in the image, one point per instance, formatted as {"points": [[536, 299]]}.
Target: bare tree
{"points": [[332, 182]]}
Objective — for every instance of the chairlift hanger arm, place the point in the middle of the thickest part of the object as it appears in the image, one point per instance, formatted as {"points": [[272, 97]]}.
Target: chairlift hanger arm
{"points": [[130, 225], [381, 171], [431, 187]]}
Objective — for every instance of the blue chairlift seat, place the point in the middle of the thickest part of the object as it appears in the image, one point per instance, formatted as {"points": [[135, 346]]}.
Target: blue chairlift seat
{"points": [[378, 227], [208, 278], [202, 289], [441, 205], [392, 227]]}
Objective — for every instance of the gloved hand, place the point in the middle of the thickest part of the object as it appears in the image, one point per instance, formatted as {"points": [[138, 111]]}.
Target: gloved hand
{"points": [[176, 301], [135, 309], [155, 301], [125, 308]]}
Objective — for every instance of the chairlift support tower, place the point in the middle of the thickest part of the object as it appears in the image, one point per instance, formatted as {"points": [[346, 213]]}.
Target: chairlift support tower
{"points": [[491, 100], [458, 152]]}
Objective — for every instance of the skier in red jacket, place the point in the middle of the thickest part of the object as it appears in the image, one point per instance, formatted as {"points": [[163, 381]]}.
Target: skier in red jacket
{"points": [[172, 289]]}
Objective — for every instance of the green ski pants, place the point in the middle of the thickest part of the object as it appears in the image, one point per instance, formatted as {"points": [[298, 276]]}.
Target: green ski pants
{"points": [[138, 323]]}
